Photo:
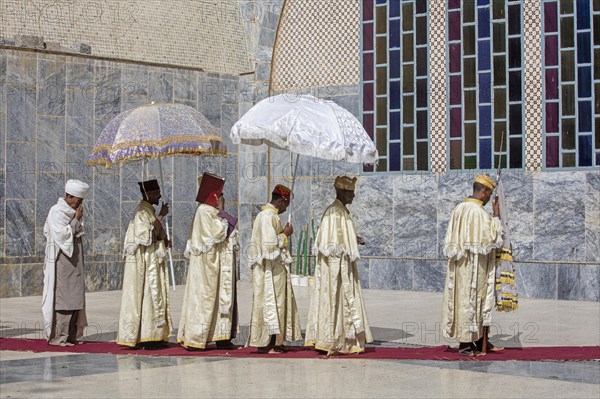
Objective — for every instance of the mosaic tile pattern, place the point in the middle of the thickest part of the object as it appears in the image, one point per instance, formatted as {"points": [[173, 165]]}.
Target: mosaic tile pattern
{"points": [[200, 34], [533, 84], [437, 96], [317, 45]]}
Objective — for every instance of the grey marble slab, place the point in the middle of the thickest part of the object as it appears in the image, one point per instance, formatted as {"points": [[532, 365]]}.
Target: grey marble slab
{"points": [[20, 227], [106, 201], [536, 280], [160, 87], [453, 188], [229, 168], [579, 282], [371, 213], [20, 112], [349, 103], [20, 170], [75, 167], [134, 80], [182, 217], [51, 87], [51, 144], [429, 276], [95, 276], [519, 198], [79, 74], [114, 275], [21, 67], [79, 117], [254, 191], [32, 278], [248, 213], [10, 281], [244, 240], [322, 195], [210, 98], [559, 221], [108, 90], [185, 179], [415, 217], [592, 217], [50, 188], [186, 85], [364, 273], [107, 241], [391, 274]]}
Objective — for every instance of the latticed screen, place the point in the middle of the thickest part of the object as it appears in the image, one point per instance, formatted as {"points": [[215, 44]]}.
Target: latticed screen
{"points": [[395, 82], [571, 35], [485, 84]]}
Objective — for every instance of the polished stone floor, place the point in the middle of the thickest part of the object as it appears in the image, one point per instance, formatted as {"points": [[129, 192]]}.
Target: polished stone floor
{"points": [[397, 319]]}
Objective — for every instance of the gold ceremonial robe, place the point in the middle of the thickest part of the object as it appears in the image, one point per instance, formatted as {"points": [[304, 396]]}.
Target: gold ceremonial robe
{"points": [[274, 310], [145, 315], [209, 297], [470, 243], [337, 320]]}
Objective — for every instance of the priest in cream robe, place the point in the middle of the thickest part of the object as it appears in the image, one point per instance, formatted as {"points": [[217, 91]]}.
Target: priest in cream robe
{"points": [[145, 318], [63, 301], [209, 312], [470, 243], [274, 318], [337, 319]]}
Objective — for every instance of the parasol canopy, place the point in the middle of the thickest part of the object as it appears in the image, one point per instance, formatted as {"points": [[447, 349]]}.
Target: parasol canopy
{"points": [[156, 130], [306, 125]]}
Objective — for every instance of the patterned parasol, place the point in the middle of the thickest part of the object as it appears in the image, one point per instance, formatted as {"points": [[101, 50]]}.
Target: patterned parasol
{"points": [[156, 130]]}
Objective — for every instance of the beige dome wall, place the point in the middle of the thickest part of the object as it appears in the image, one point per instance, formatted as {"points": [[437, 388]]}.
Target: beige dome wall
{"points": [[317, 45], [199, 34]]}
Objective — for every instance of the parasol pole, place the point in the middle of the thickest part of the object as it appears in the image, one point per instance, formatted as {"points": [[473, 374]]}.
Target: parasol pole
{"points": [[293, 182], [162, 184]]}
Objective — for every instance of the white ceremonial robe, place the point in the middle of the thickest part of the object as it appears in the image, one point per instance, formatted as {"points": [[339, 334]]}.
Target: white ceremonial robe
{"points": [[145, 315], [274, 310], [337, 319], [64, 251], [470, 243], [207, 314]]}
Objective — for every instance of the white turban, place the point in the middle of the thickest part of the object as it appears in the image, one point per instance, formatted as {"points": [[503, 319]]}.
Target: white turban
{"points": [[77, 188]]}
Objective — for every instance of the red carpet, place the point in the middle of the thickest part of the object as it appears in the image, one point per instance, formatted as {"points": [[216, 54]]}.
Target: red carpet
{"points": [[553, 353]]}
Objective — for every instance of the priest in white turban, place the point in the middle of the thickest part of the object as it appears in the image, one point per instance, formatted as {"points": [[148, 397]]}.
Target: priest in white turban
{"points": [[63, 303]]}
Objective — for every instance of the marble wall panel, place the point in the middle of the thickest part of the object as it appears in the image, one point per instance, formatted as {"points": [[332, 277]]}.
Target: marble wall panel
{"points": [[79, 74], [75, 167], [244, 239], [579, 282], [185, 179], [2, 214], [160, 86], [182, 216], [391, 274], [429, 276], [372, 211], [79, 117], [322, 195], [210, 98], [349, 102], [253, 191], [21, 67], [248, 213], [559, 220], [20, 227], [299, 209], [415, 218], [185, 85], [2, 129], [107, 241], [108, 90], [364, 273], [20, 112], [32, 279], [519, 198], [51, 86], [114, 275], [51, 144], [106, 201], [592, 217], [229, 170], [10, 280], [135, 79], [536, 280], [51, 187], [95, 276]]}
